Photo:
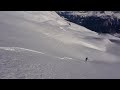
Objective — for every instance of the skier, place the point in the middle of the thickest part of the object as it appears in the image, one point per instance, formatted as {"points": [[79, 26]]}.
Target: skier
{"points": [[69, 24], [86, 59]]}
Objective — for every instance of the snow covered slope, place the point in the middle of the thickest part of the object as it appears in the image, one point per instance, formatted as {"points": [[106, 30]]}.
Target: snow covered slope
{"points": [[41, 44]]}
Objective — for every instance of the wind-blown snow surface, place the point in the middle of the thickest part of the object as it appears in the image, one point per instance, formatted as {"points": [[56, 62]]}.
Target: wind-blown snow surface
{"points": [[41, 44]]}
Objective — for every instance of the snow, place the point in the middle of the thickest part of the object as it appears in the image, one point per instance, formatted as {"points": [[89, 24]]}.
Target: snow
{"points": [[41, 44], [18, 49]]}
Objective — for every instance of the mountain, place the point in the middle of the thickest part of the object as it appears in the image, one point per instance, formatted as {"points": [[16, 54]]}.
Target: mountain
{"points": [[43, 45], [105, 22]]}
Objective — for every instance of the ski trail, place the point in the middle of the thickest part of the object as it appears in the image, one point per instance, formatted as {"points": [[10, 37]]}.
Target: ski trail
{"points": [[65, 58], [63, 28], [19, 49]]}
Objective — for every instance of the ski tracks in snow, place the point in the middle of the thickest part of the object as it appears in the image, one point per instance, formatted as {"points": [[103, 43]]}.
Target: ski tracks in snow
{"points": [[19, 49]]}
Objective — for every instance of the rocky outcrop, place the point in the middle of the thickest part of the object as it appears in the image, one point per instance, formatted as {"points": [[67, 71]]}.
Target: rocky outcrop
{"points": [[98, 21]]}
